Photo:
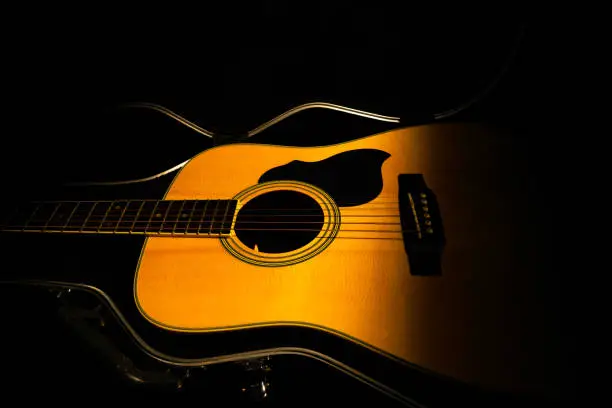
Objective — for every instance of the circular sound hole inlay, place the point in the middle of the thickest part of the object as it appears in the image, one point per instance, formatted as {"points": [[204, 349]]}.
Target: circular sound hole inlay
{"points": [[279, 221]]}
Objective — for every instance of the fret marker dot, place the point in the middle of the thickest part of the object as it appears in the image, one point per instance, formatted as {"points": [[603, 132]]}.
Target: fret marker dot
{"points": [[157, 215], [183, 215], [117, 207]]}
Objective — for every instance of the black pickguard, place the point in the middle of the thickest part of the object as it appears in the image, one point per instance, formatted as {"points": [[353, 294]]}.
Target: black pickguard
{"points": [[351, 178]]}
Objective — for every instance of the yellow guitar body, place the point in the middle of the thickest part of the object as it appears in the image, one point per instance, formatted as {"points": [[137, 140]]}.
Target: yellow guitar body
{"points": [[359, 285]]}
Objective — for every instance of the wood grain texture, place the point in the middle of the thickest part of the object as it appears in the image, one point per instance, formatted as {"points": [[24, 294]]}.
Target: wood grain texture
{"points": [[467, 323]]}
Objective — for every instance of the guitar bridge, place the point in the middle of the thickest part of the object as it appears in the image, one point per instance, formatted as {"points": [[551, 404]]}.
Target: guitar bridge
{"points": [[422, 230]]}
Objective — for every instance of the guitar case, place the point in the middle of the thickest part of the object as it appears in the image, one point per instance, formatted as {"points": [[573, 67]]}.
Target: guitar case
{"points": [[131, 106]]}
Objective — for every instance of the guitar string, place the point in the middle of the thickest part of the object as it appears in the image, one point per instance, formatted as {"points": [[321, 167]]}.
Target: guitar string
{"points": [[241, 210], [246, 211], [377, 200], [257, 211], [149, 228], [209, 225], [98, 224], [113, 214], [393, 195], [147, 225], [203, 235], [36, 223], [201, 202], [156, 230], [175, 219]]}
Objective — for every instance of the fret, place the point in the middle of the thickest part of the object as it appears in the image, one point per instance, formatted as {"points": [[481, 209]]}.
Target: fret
{"points": [[144, 217], [55, 208], [195, 220], [108, 209], [211, 221], [185, 216], [88, 216], [219, 217], [59, 219], [204, 224], [98, 213], [169, 220], [127, 204], [128, 216], [179, 219], [172, 217], [79, 216], [156, 221], [41, 216], [31, 215], [137, 215], [76, 205], [112, 216], [153, 215], [226, 225]]}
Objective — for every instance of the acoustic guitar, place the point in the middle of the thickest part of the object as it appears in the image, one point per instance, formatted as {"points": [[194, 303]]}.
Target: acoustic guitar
{"points": [[391, 254]]}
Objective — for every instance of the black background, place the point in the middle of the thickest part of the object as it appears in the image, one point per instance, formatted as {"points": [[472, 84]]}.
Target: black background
{"points": [[240, 66], [229, 70]]}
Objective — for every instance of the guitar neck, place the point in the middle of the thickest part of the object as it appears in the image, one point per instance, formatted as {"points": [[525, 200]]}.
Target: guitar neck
{"points": [[206, 218]]}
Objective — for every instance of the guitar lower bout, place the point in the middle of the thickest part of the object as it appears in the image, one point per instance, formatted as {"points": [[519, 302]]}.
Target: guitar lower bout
{"points": [[323, 249], [316, 240], [367, 259]]}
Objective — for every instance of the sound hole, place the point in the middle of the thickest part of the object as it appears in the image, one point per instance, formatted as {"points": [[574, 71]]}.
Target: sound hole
{"points": [[279, 221]]}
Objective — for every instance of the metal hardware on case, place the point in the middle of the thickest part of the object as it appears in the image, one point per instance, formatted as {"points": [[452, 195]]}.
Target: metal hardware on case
{"points": [[208, 133], [323, 105], [271, 122], [256, 386]]}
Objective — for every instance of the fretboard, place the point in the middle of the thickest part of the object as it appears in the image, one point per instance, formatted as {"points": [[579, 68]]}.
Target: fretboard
{"points": [[206, 218]]}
